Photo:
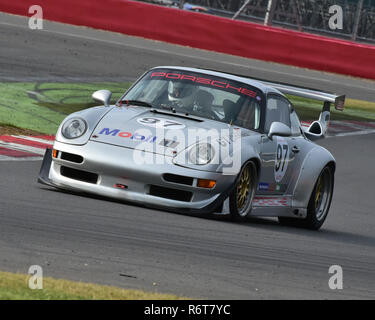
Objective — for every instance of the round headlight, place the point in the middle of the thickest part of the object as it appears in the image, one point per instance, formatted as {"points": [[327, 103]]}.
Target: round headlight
{"points": [[74, 128], [201, 154]]}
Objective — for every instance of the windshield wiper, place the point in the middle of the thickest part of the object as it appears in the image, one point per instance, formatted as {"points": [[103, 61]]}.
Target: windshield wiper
{"points": [[137, 103], [174, 114], [167, 107]]}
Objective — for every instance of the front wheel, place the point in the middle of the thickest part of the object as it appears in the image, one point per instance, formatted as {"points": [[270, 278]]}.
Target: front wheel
{"points": [[241, 198], [319, 204]]}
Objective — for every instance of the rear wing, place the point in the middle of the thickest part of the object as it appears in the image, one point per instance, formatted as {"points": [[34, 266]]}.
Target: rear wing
{"points": [[337, 100], [327, 98]]}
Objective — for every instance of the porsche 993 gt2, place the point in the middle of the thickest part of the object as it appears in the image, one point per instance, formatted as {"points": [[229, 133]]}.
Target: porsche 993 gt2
{"points": [[195, 140]]}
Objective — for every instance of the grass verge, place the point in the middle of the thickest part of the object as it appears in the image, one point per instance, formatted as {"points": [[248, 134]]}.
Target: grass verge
{"points": [[15, 287], [42, 106]]}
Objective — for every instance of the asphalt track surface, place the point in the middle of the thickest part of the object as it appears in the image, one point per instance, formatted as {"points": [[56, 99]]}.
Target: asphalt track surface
{"points": [[96, 240]]}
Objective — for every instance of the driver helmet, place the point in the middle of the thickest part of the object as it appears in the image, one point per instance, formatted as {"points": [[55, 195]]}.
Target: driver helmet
{"points": [[181, 93]]}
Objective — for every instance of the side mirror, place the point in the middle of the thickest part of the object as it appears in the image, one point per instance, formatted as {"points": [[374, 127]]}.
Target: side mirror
{"points": [[279, 129], [103, 96]]}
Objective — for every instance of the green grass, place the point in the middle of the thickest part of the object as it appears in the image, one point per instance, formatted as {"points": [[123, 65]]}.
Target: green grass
{"points": [[15, 287], [42, 106]]}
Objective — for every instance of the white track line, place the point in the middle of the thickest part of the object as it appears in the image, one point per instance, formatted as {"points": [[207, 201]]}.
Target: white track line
{"points": [[5, 158], [49, 142], [355, 133], [21, 147]]}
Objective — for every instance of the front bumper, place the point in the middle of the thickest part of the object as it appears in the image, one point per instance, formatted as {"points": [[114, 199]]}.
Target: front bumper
{"points": [[116, 166]]}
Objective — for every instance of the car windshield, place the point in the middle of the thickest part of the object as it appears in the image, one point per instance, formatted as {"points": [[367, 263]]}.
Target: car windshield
{"points": [[200, 95]]}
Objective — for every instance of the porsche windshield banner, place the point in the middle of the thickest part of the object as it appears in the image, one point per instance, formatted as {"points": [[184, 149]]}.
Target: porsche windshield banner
{"points": [[214, 82]]}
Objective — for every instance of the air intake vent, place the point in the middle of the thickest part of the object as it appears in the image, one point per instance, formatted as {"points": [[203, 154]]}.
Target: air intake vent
{"points": [[178, 179], [71, 157], [172, 194], [79, 175]]}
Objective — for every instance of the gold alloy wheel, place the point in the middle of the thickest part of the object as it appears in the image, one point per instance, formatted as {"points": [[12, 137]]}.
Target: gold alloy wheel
{"points": [[241, 197], [243, 188]]}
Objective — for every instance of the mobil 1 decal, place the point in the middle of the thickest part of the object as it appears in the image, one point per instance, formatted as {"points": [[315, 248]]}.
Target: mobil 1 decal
{"points": [[282, 158]]}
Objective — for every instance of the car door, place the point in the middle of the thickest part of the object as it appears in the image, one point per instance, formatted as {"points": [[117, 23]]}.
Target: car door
{"points": [[299, 146], [277, 154]]}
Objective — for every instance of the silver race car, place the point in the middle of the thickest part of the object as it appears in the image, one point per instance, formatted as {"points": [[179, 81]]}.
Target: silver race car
{"points": [[195, 140]]}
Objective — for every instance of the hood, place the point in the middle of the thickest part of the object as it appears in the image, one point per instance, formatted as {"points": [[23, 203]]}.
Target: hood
{"points": [[159, 132]]}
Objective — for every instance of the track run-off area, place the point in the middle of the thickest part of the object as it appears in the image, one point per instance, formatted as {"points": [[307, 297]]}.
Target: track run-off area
{"points": [[96, 240]]}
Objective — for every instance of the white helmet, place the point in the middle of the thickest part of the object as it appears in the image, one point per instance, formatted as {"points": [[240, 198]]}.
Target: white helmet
{"points": [[182, 93]]}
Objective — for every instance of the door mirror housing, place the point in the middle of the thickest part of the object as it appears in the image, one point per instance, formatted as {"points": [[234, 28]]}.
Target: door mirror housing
{"points": [[279, 129], [103, 96]]}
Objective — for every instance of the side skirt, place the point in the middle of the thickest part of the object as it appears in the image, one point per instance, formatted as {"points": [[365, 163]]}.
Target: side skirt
{"points": [[276, 206], [270, 206]]}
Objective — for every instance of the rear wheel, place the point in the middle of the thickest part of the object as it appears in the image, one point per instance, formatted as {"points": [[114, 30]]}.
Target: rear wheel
{"points": [[319, 204], [242, 196]]}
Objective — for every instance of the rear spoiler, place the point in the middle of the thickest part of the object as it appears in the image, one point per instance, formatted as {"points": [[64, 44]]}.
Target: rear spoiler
{"points": [[326, 97]]}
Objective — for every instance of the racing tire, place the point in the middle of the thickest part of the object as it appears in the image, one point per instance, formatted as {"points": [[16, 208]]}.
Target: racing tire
{"points": [[319, 203], [241, 198]]}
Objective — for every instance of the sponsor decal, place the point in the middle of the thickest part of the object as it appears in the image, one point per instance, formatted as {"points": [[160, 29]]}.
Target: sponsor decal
{"points": [[167, 143], [124, 134], [263, 186], [272, 187], [226, 85], [280, 187], [271, 202]]}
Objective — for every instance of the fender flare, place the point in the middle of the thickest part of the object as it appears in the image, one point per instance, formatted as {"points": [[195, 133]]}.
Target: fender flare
{"points": [[316, 160]]}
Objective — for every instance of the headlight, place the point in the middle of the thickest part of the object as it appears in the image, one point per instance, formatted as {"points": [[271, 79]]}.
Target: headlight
{"points": [[201, 153], [74, 128]]}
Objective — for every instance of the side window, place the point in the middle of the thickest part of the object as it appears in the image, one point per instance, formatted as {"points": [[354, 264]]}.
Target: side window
{"points": [[278, 109], [248, 116], [295, 124]]}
